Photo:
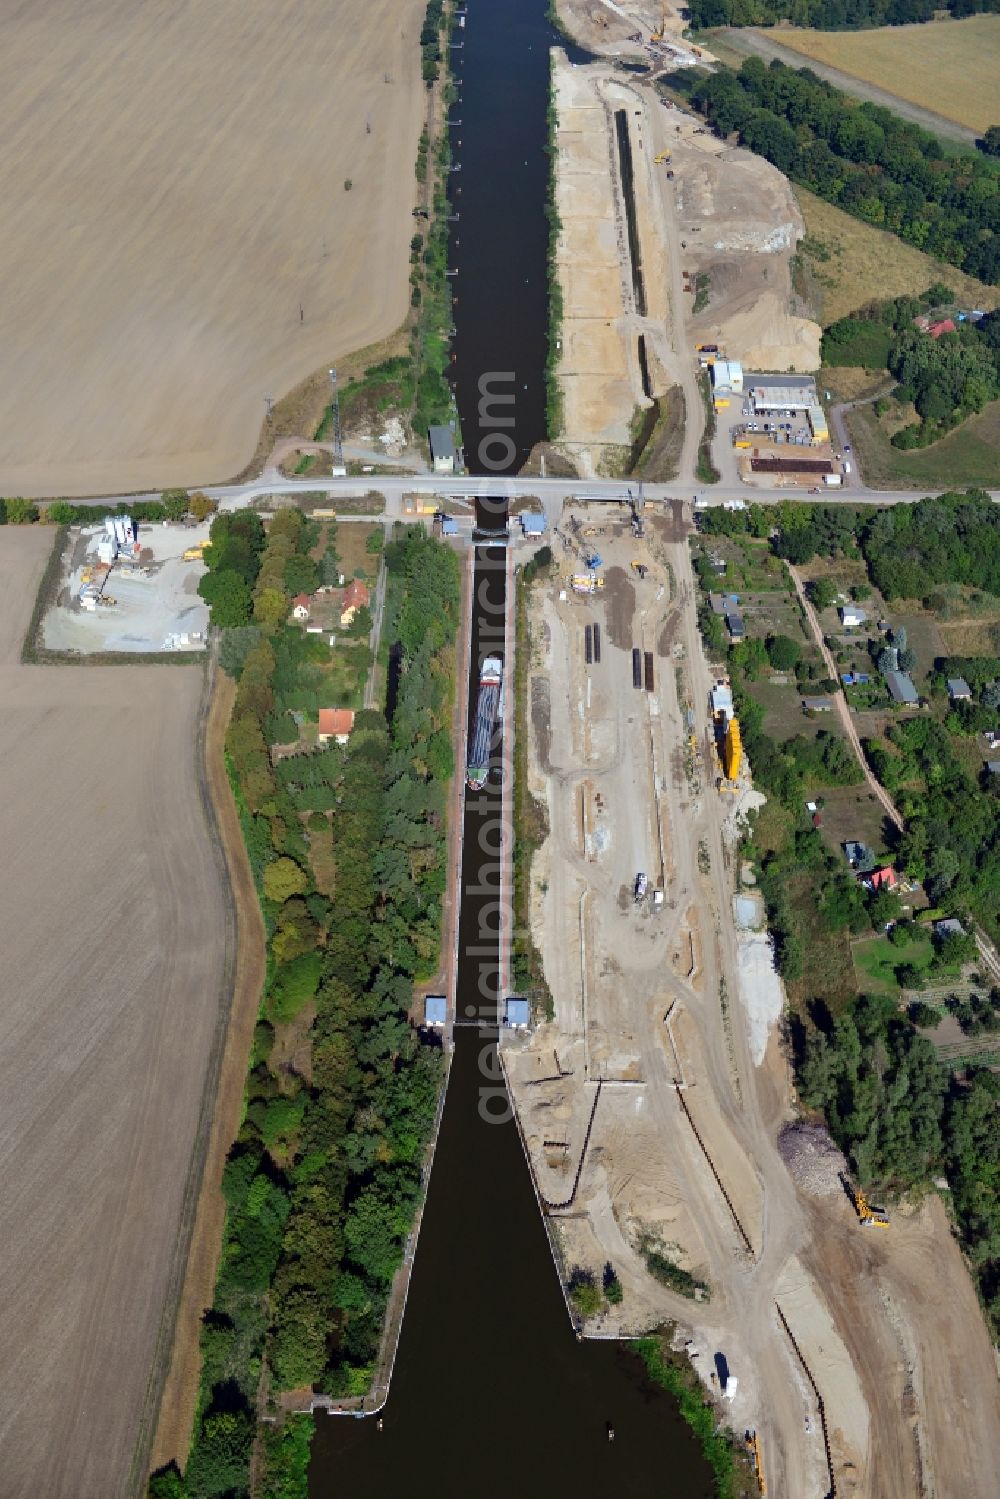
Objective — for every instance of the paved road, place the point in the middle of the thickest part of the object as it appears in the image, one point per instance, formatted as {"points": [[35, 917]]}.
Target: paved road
{"points": [[553, 493]]}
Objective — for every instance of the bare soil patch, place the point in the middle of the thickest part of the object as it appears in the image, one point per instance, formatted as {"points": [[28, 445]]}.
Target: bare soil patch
{"points": [[620, 597], [113, 929], [200, 249]]}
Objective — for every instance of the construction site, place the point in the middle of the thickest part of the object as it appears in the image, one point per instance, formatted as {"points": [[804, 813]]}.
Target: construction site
{"points": [[669, 240], [125, 590], [656, 1105]]}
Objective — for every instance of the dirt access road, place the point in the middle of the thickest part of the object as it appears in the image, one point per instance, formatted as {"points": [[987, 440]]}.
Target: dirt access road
{"points": [[114, 933], [179, 171], [644, 998]]}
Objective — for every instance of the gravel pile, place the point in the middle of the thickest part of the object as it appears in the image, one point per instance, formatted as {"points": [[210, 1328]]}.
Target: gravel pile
{"points": [[813, 1160]]}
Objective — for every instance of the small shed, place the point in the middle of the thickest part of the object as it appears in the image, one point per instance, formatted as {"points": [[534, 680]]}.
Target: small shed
{"points": [[851, 615], [734, 624], [335, 723], [449, 525], [722, 700], [901, 687], [436, 1011], [442, 446], [959, 690], [533, 524], [517, 1014], [817, 705]]}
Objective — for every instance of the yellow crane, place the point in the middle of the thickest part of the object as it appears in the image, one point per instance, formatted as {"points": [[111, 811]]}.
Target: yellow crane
{"points": [[869, 1216], [657, 36]]}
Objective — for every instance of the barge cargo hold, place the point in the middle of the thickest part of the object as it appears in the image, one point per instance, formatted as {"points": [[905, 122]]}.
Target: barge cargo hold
{"points": [[487, 708]]}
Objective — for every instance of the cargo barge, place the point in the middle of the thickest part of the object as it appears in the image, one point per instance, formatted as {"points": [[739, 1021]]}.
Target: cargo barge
{"points": [[487, 710]]}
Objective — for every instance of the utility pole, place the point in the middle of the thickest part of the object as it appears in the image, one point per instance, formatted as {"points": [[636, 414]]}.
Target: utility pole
{"points": [[339, 468]]}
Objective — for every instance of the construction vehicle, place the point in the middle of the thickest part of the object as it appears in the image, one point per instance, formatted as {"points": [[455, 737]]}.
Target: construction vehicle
{"points": [[195, 553], [660, 33], [636, 504], [586, 582], [661, 157], [640, 568], [593, 560], [752, 1441], [868, 1215], [640, 887], [732, 750]]}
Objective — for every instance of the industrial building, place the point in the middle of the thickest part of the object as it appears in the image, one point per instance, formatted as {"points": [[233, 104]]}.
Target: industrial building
{"points": [[818, 424], [727, 374], [533, 524], [436, 1011], [781, 393], [517, 1014]]}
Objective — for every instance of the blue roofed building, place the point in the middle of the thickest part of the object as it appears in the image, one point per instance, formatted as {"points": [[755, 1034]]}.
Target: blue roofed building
{"points": [[436, 1010], [533, 524], [517, 1013]]}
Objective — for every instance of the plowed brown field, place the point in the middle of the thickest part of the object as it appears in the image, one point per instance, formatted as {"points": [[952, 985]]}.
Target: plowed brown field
{"points": [[173, 177], [113, 925]]}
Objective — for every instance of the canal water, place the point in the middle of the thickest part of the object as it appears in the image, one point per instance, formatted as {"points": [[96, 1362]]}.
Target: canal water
{"points": [[492, 1394]]}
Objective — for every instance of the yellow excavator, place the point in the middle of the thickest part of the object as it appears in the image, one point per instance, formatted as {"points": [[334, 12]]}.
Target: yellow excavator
{"points": [[657, 36], [868, 1216], [661, 157]]}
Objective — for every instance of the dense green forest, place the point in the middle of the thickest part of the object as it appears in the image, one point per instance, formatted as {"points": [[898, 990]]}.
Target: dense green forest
{"points": [[347, 846], [826, 15], [865, 159], [947, 378]]}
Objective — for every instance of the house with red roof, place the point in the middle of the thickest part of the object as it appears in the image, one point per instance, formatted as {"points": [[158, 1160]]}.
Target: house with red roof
{"points": [[355, 597], [335, 723], [301, 604], [945, 326]]}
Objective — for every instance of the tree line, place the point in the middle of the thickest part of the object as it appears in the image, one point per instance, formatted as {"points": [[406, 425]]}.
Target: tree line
{"points": [[865, 159], [347, 846], [826, 15]]}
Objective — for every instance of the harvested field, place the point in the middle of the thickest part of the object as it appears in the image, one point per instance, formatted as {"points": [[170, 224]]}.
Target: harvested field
{"points": [[200, 248], [847, 264], [949, 67], [115, 936]]}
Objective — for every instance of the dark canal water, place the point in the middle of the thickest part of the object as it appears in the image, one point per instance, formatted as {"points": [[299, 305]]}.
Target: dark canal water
{"points": [[492, 1395]]}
